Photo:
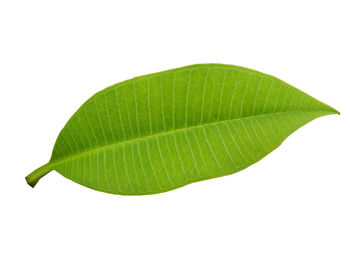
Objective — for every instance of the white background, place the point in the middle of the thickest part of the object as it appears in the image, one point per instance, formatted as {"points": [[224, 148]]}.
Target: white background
{"points": [[292, 206]]}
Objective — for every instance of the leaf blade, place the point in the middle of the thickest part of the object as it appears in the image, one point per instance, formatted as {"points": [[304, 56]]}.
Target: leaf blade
{"points": [[161, 131]]}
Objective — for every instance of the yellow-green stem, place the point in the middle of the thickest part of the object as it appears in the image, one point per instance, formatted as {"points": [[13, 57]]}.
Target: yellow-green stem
{"points": [[35, 176]]}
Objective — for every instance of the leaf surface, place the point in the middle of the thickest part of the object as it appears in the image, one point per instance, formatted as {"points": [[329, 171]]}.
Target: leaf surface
{"points": [[158, 132]]}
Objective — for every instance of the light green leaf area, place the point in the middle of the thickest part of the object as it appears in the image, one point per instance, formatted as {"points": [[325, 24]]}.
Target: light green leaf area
{"points": [[158, 132]]}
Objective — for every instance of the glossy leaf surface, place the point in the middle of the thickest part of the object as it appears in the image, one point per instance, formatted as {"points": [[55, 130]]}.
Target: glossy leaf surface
{"points": [[161, 131]]}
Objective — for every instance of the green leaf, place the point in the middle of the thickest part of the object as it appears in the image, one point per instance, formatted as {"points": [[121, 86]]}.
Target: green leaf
{"points": [[161, 131]]}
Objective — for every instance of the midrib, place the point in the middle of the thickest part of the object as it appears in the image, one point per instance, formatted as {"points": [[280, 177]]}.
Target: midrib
{"points": [[112, 145]]}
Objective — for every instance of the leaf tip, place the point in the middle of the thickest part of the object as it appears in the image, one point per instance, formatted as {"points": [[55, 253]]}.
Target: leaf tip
{"points": [[330, 109], [334, 111]]}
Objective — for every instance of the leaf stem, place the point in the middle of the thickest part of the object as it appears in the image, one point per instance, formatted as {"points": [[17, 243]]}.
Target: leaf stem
{"points": [[35, 176]]}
